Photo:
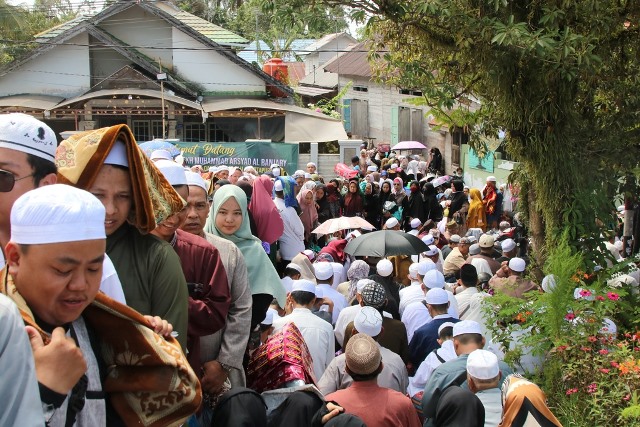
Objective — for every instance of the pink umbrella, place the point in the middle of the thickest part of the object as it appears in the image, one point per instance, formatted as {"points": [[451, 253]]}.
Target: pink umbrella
{"points": [[409, 145]]}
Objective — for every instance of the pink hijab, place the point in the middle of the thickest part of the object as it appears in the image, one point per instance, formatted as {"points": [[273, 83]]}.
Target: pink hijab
{"points": [[264, 211], [309, 215]]}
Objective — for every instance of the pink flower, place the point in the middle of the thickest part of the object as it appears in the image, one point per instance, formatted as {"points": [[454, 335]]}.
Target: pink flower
{"points": [[570, 316], [592, 388], [604, 370], [613, 296], [561, 348], [592, 339], [571, 391], [584, 348], [585, 293], [615, 364], [600, 298], [604, 352], [627, 397]]}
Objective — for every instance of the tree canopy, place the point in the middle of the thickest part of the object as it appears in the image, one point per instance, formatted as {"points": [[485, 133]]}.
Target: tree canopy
{"points": [[560, 77]]}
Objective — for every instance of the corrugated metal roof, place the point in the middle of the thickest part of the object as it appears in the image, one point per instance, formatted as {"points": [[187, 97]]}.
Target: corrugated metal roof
{"points": [[321, 78], [42, 102], [297, 48], [312, 91], [59, 29], [352, 63], [204, 27]]}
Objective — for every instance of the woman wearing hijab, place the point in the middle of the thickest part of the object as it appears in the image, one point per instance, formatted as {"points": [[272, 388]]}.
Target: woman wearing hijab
{"points": [[459, 206], [524, 404], [322, 203], [309, 214], [229, 219], [432, 208], [414, 206], [399, 193], [436, 165], [476, 217], [371, 205], [459, 407], [268, 222], [334, 198], [385, 195], [353, 202], [357, 271]]}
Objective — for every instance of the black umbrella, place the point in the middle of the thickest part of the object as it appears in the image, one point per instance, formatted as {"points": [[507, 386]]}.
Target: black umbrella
{"points": [[385, 243]]}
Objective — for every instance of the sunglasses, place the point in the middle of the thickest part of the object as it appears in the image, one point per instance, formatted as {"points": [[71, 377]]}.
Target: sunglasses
{"points": [[8, 180]]}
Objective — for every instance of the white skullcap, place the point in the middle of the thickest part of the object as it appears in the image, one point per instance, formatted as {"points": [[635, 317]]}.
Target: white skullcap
{"points": [[310, 254], [434, 279], [413, 270], [368, 321], [428, 239], [194, 178], [372, 168], [432, 250], [472, 239], [222, 168], [391, 222], [549, 283], [437, 296], [415, 223], [384, 267], [311, 164], [454, 238], [303, 285], [323, 270], [298, 174], [491, 178], [294, 266], [268, 319], [161, 155], [173, 172], [22, 132], [445, 325], [277, 185], [425, 266], [466, 327], [483, 365], [275, 170], [474, 249], [517, 264], [360, 284], [118, 155], [508, 245], [56, 214]]}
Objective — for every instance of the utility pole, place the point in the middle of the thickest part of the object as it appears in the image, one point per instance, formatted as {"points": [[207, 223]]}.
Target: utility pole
{"points": [[162, 77]]}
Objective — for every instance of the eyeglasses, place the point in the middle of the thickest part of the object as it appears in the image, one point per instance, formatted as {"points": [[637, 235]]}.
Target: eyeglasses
{"points": [[8, 180]]}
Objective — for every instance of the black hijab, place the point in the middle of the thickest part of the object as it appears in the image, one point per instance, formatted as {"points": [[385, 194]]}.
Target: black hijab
{"points": [[459, 407]]}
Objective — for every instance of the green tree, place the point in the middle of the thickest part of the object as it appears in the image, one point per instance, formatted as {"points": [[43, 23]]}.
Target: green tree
{"points": [[560, 76]]}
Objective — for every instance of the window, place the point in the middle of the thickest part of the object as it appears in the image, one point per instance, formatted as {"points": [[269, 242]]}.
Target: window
{"points": [[410, 92], [146, 130], [194, 132], [360, 89], [216, 134]]}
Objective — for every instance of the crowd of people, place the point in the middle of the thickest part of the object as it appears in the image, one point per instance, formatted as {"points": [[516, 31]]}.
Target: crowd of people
{"points": [[138, 291]]}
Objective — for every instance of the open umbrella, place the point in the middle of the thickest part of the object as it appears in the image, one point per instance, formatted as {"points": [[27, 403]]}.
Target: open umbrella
{"points": [[409, 145], [158, 144], [332, 225], [437, 182], [385, 243]]}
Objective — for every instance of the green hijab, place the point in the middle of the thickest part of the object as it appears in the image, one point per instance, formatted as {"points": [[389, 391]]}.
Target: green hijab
{"points": [[263, 278]]}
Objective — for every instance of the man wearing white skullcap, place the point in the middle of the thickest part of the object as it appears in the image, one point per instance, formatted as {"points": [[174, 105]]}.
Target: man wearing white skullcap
{"points": [[209, 294], [55, 229], [509, 280], [384, 276], [467, 337], [317, 333], [509, 250], [368, 321], [223, 172], [226, 347], [311, 168], [483, 379], [161, 155], [348, 314], [392, 224], [413, 292], [324, 276], [415, 225]]}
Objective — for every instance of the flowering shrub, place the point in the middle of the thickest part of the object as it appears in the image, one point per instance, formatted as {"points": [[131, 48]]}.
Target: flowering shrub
{"points": [[585, 335]]}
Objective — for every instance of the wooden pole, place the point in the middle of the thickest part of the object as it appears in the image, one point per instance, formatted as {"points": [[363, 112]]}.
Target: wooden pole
{"points": [[162, 98]]}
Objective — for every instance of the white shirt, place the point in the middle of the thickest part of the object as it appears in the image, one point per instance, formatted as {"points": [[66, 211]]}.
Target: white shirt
{"points": [[414, 316], [411, 293], [422, 375], [463, 298], [317, 334], [339, 301], [292, 239], [475, 311], [347, 315]]}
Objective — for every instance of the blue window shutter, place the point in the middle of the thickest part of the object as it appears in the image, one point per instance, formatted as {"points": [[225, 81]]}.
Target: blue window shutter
{"points": [[394, 125], [346, 114]]}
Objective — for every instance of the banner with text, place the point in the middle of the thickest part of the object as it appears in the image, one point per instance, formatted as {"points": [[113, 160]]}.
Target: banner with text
{"points": [[260, 155]]}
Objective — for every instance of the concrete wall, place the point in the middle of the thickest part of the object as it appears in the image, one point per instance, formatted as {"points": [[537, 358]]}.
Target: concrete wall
{"points": [[476, 178], [326, 164], [63, 70]]}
